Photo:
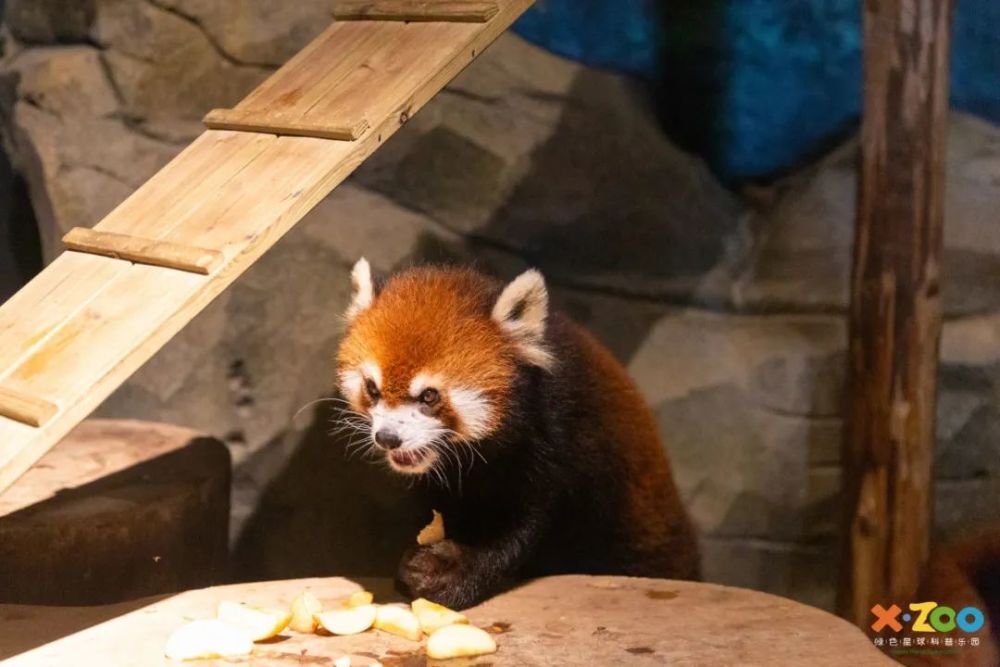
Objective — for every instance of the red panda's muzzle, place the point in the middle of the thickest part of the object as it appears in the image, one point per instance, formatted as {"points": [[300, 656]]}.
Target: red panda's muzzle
{"points": [[407, 458]]}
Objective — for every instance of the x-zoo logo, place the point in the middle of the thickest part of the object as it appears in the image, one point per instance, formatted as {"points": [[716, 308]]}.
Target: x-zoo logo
{"points": [[929, 617]]}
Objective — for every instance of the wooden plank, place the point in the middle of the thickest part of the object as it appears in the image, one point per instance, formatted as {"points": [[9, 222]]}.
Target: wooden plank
{"points": [[388, 69], [324, 97], [342, 48], [895, 316], [144, 251], [285, 184], [460, 11], [25, 408], [195, 176], [82, 327], [57, 294], [259, 121]]}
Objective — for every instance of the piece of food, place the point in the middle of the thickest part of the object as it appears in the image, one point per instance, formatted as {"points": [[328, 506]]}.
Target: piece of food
{"points": [[458, 641], [348, 620], [433, 616], [209, 638], [398, 621], [356, 661], [260, 623], [359, 598], [433, 532], [305, 606]]}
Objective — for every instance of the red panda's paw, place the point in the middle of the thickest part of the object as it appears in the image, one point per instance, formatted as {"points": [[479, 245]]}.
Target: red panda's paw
{"points": [[439, 572]]}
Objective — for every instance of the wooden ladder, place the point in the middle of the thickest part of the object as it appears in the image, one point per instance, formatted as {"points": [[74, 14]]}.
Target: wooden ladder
{"points": [[124, 288]]}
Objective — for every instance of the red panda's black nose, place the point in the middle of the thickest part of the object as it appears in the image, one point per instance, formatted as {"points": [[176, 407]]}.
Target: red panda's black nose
{"points": [[387, 439]]}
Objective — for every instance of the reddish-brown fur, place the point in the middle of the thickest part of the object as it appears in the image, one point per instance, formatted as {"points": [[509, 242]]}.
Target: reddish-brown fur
{"points": [[654, 506], [431, 321], [965, 573], [574, 479]]}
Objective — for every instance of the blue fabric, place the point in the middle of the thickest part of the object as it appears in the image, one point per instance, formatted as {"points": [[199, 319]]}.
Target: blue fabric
{"points": [[755, 86], [618, 34]]}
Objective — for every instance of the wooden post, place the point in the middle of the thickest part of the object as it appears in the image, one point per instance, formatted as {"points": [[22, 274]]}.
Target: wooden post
{"points": [[895, 316]]}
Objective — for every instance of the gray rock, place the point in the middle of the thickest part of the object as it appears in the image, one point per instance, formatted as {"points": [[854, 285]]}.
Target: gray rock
{"points": [[801, 258], [802, 385], [741, 462], [268, 35], [825, 437], [689, 349], [49, 21], [801, 572], [561, 165], [974, 451], [79, 170], [164, 65], [726, 465], [825, 507], [971, 342], [962, 507], [78, 156], [66, 81]]}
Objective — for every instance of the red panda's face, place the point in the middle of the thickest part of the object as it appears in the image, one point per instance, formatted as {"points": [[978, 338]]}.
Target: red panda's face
{"points": [[429, 366]]}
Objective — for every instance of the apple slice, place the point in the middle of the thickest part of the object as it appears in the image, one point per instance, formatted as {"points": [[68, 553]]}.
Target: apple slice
{"points": [[356, 661], [459, 641], [398, 621], [260, 623], [359, 599], [349, 620], [433, 616], [305, 606], [209, 638], [433, 532]]}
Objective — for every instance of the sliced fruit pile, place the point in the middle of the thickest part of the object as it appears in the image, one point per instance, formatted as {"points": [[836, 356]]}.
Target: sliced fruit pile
{"points": [[237, 626]]}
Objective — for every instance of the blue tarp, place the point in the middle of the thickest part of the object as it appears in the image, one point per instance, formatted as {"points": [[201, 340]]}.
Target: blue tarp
{"points": [[755, 86]]}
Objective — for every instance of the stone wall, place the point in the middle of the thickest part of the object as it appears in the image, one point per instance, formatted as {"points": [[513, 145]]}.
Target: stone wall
{"points": [[728, 315]]}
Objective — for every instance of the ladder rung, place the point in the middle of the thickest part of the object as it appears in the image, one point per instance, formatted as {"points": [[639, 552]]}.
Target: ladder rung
{"points": [[26, 409], [250, 121], [457, 11], [144, 251]]}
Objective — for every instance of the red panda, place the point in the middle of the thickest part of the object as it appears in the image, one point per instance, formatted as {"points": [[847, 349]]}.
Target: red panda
{"points": [[536, 446], [965, 573]]}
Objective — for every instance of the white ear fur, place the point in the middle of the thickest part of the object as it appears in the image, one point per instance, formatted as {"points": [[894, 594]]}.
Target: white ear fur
{"points": [[521, 311], [364, 290]]}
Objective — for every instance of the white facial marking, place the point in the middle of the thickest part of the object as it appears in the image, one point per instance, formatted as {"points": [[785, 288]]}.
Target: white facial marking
{"points": [[373, 372], [352, 384], [415, 429], [473, 409], [423, 381]]}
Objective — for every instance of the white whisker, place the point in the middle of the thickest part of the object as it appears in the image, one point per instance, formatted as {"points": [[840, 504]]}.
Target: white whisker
{"points": [[316, 402]]}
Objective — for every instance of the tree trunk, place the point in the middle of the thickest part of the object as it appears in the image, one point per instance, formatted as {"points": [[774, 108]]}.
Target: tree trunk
{"points": [[117, 510], [895, 317]]}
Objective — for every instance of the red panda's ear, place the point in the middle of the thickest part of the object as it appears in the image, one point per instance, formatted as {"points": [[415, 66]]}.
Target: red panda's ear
{"points": [[364, 289], [521, 311]]}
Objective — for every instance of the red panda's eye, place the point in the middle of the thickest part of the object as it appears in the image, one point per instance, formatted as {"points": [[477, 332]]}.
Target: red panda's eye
{"points": [[371, 389], [429, 396]]}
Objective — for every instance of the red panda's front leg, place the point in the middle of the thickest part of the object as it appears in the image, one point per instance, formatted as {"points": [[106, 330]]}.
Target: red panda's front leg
{"points": [[460, 575]]}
